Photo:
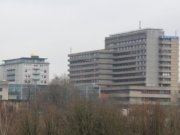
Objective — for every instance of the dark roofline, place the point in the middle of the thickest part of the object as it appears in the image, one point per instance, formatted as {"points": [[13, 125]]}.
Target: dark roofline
{"points": [[92, 51], [132, 32], [24, 58]]}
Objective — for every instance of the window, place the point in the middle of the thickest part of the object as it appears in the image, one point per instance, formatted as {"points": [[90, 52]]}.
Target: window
{"points": [[165, 79], [164, 85], [166, 45], [165, 73], [165, 68], [165, 51], [165, 57], [165, 62]]}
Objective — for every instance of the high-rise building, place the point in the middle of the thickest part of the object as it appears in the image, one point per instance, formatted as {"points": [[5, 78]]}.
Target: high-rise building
{"points": [[144, 58], [23, 73], [143, 67]]}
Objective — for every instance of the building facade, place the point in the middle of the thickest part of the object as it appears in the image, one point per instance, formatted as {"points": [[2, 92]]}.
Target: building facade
{"points": [[24, 73], [144, 61], [89, 70], [144, 58], [3, 90]]}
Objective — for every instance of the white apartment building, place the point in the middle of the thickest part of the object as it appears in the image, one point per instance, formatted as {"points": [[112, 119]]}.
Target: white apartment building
{"points": [[23, 72]]}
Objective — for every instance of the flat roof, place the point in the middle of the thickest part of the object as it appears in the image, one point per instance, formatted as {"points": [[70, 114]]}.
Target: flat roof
{"points": [[24, 58], [134, 31], [32, 59], [93, 51]]}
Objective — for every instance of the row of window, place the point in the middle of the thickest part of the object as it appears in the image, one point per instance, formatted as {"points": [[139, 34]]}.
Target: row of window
{"points": [[131, 74], [9, 75], [35, 65], [142, 40], [130, 58], [165, 73], [164, 85], [130, 52], [11, 79], [84, 76], [29, 76], [165, 45], [165, 79], [83, 66], [165, 68], [125, 64], [89, 55], [164, 51], [124, 69], [83, 71], [151, 99], [144, 99], [26, 70], [165, 57], [86, 81], [130, 80], [131, 47], [156, 91], [10, 70], [141, 91], [130, 63], [83, 61], [125, 59], [83, 55], [29, 81], [165, 62]]}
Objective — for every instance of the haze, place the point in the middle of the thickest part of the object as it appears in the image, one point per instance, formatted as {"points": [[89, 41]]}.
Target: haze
{"points": [[49, 28]]}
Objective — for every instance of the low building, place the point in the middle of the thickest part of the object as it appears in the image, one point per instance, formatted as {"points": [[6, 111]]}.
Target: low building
{"points": [[140, 94]]}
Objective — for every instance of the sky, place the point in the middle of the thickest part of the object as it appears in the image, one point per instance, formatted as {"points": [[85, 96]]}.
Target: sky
{"points": [[49, 28]]}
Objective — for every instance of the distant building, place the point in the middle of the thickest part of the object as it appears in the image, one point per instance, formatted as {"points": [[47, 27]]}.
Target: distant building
{"points": [[138, 66], [24, 74]]}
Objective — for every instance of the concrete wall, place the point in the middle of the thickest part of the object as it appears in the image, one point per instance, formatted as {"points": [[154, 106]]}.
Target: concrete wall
{"points": [[152, 58]]}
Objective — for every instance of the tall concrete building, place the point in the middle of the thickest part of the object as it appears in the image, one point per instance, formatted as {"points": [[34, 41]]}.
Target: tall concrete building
{"points": [[23, 73], [143, 66]]}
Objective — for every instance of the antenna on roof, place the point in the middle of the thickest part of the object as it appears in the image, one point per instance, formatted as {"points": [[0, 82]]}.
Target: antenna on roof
{"points": [[139, 24]]}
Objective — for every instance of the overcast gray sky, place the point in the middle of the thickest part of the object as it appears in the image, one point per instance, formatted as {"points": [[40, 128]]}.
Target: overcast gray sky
{"points": [[50, 28]]}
